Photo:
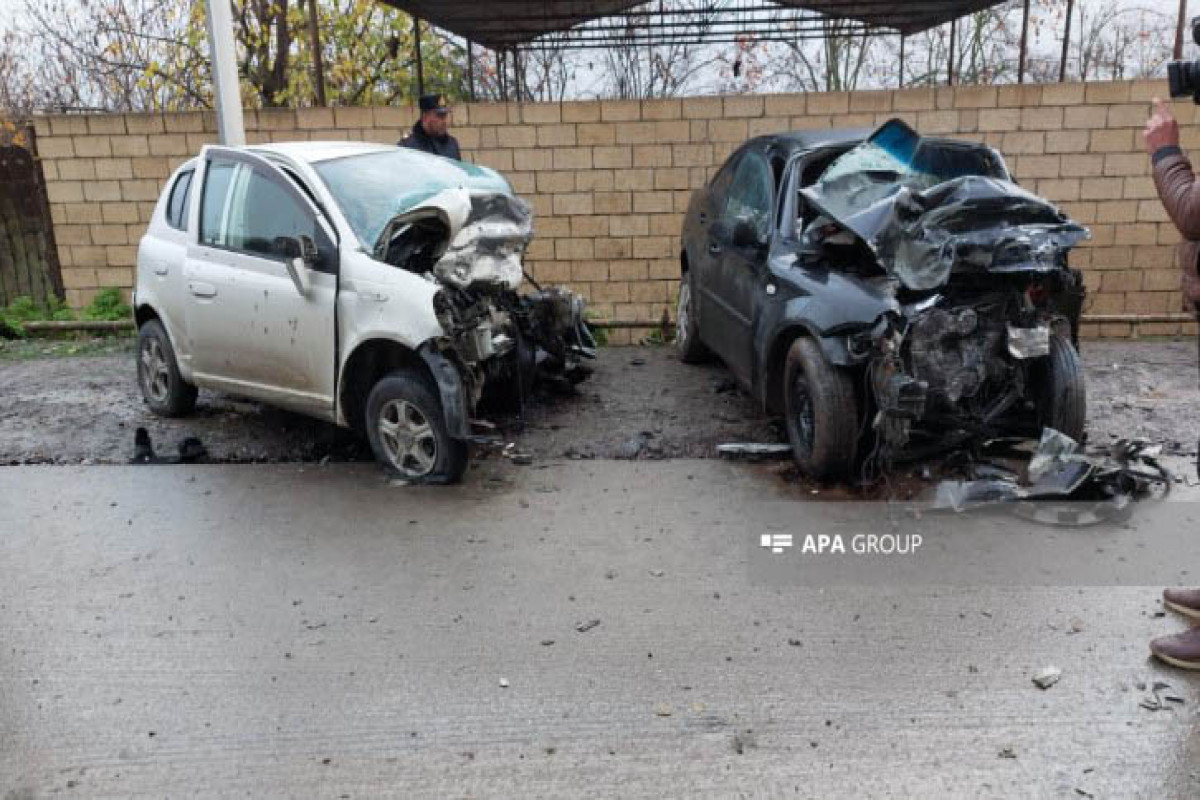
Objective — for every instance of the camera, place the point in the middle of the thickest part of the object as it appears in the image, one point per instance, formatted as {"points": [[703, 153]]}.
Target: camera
{"points": [[1183, 77]]}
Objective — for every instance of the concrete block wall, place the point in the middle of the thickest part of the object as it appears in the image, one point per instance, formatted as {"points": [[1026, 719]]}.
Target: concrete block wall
{"points": [[610, 180]]}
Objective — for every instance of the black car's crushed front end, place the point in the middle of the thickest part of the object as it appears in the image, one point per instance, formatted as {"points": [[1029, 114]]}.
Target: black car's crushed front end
{"points": [[979, 341]]}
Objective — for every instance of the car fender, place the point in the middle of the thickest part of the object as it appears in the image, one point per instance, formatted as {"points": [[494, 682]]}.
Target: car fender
{"points": [[819, 303], [450, 390]]}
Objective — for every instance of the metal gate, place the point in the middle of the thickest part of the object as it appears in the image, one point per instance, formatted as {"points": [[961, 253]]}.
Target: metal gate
{"points": [[28, 258]]}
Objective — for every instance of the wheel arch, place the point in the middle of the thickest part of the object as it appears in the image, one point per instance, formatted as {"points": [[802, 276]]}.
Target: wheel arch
{"points": [[373, 358]]}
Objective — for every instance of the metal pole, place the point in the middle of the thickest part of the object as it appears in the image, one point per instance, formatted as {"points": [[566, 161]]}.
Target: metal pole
{"points": [[1179, 30], [950, 64], [1062, 65], [1024, 42], [417, 49], [517, 72], [314, 34], [900, 83], [470, 72], [231, 129]]}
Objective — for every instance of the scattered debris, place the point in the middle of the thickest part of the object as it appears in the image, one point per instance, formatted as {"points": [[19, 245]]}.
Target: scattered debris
{"points": [[1156, 701], [1007, 752], [1106, 481], [1047, 677], [516, 456], [504, 683], [547, 642], [584, 627], [657, 573], [190, 450], [755, 450], [744, 740], [663, 710]]}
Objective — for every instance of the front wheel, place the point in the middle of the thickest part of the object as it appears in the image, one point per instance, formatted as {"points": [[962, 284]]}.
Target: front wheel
{"points": [[407, 430], [1062, 393], [822, 413]]}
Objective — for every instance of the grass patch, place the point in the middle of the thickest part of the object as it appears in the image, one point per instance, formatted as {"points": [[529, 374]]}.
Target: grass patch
{"points": [[107, 305]]}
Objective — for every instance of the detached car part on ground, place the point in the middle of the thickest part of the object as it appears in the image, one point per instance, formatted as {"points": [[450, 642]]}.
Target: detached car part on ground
{"points": [[372, 286], [891, 295]]}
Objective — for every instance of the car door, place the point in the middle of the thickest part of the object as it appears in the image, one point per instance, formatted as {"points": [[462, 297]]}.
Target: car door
{"points": [[253, 332], [702, 252], [738, 267]]}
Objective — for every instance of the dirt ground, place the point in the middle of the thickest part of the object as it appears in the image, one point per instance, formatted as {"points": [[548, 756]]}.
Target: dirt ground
{"points": [[78, 403]]}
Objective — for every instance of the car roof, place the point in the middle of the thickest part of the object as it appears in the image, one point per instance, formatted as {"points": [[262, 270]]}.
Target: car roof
{"points": [[313, 152], [794, 141]]}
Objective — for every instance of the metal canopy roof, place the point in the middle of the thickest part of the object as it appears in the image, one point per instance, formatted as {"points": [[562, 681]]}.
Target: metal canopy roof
{"points": [[503, 24]]}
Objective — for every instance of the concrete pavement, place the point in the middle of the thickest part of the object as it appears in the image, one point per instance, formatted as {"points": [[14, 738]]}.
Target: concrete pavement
{"points": [[315, 632]]}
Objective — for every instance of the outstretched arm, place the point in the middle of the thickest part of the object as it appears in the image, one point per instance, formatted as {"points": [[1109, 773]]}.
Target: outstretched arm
{"points": [[1173, 177]]}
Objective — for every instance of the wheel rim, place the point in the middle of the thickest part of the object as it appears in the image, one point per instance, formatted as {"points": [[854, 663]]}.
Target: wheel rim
{"points": [[156, 373], [683, 314], [407, 438], [803, 414]]}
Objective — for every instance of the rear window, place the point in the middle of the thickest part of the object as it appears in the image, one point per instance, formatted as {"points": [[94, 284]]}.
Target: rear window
{"points": [[180, 200]]}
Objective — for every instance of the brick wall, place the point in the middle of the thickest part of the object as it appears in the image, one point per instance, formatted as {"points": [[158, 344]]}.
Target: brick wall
{"points": [[609, 180]]}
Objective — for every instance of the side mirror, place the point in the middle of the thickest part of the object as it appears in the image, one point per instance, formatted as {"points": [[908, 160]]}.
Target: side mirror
{"points": [[301, 255], [298, 272], [745, 234]]}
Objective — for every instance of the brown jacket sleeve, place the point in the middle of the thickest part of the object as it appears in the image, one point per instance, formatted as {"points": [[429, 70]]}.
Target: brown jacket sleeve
{"points": [[1179, 190], [1180, 193]]}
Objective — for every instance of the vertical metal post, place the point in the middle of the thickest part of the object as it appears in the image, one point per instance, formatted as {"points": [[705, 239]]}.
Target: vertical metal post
{"points": [[470, 72], [417, 53], [314, 35], [900, 83], [1179, 30], [950, 61], [231, 129], [1062, 64], [517, 74], [1024, 42]]}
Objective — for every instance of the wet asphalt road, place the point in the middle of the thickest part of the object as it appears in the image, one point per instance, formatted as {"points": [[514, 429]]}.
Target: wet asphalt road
{"points": [[292, 631]]}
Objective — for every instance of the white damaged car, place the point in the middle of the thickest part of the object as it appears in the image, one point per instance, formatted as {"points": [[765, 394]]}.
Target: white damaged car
{"points": [[368, 285]]}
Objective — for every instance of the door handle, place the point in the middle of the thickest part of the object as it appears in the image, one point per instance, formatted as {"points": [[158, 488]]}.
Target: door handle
{"points": [[161, 269], [202, 289], [714, 248]]}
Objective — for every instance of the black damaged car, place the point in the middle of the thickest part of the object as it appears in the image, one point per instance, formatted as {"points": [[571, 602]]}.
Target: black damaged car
{"points": [[891, 295]]}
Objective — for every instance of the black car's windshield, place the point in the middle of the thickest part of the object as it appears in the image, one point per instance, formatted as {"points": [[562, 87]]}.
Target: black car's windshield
{"points": [[896, 156]]}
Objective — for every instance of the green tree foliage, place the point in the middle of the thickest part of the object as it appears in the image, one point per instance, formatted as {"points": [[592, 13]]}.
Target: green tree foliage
{"points": [[152, 55]]}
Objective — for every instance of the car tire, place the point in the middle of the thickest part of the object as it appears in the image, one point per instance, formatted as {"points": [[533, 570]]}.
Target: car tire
{"points": [[687, 329], [407, 430], [1062, 397], [163, 388], [822, 413]]}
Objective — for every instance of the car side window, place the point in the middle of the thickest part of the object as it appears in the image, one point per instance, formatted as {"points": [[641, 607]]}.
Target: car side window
{"points": [[218, 180], [245, 209], [180, 200], [751, 194]]}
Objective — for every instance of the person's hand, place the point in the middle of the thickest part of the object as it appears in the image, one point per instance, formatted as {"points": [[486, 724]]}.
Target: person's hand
{"points": [[1161, 129]]}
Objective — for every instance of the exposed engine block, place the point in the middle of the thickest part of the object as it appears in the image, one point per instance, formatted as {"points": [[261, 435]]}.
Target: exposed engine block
{"points": [[955, 352]]}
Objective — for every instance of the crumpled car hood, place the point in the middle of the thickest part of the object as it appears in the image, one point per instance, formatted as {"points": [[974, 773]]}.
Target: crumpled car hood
{"points": [[490, 247], [971, 222]]}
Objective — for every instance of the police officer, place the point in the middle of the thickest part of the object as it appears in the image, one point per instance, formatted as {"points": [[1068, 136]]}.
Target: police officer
{"points": [[431, 132]]}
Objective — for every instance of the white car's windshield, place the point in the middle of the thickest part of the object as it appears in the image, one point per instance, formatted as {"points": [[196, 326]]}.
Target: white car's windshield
{"points": [[373, 188]]}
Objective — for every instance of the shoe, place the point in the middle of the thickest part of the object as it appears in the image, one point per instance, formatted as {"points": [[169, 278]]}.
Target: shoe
{"points": [[1185, 601], [1180, 650]]}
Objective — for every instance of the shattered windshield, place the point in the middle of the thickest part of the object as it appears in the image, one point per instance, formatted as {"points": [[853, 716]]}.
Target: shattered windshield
{"points": [[894, 157], [371, 189], [926, 207]]}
